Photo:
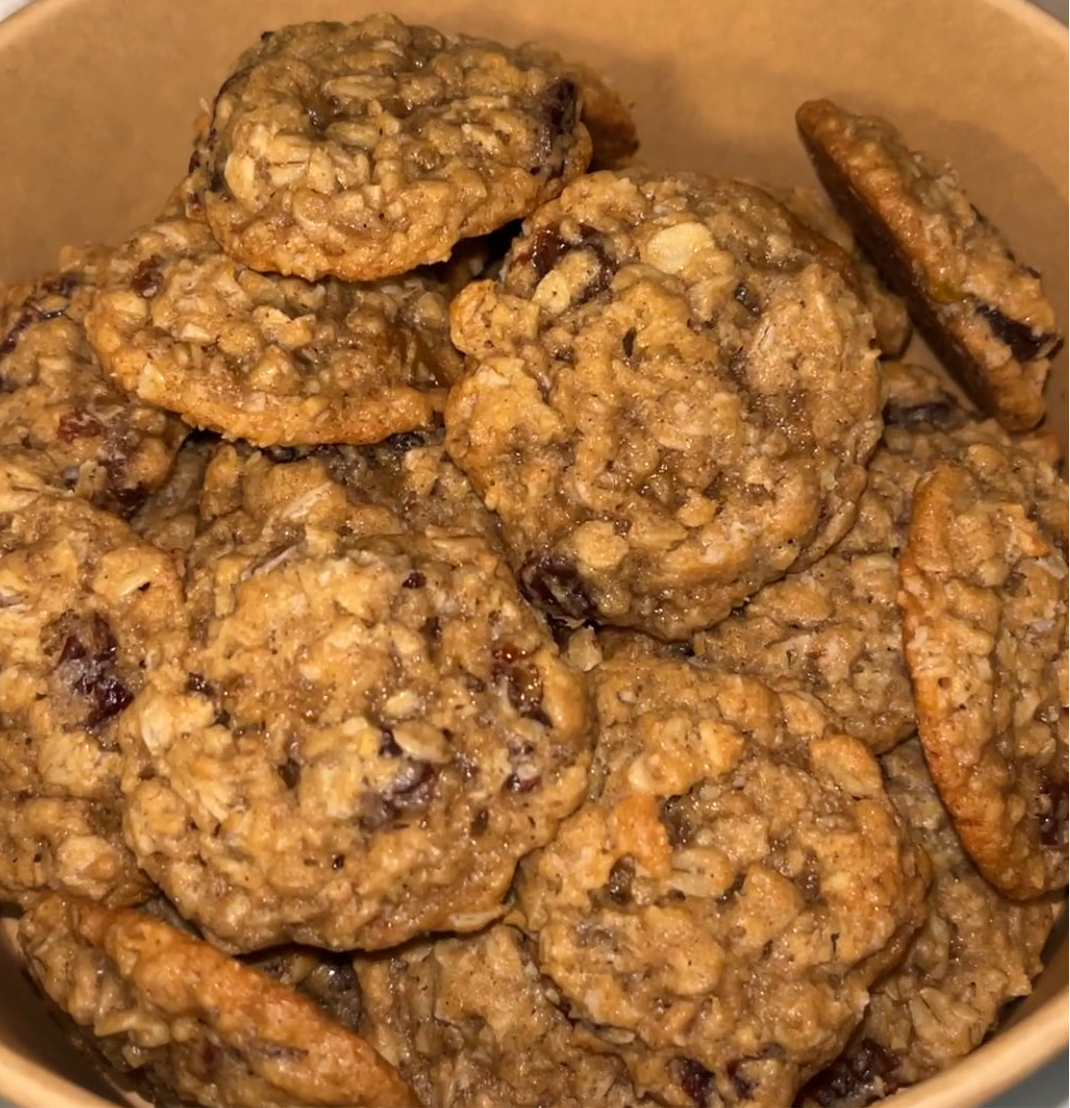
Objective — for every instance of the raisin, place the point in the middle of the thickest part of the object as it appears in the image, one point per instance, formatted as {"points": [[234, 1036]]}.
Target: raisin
{"points": [[480, 823], [676, 820], [290, 772], [404, 441], [415, 580], [87, 666], [1053, 803], [333, 985], [412, 788], [23, 320], [78, 425], [628, 343], [744, 1086], [619, 882], [514, 783], [199, 685], [867, 1073], [388, 747], [748, 298], [550, 581], [695, 1080], [1025, 344], [321, 113], [148, 277], [523, 683], [944, 414], [546, 250], [559, 114]]}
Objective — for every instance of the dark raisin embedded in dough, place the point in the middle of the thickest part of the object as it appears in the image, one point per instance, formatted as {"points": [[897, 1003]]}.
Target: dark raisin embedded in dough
{"points": [[551, 582], [748, 298], [1025, 343], [86, 666], [199, 685], [559, 113], [321, 113], [547, 249], [148, 277], [743, 1085], [695, 1080], [388, 747], [412, 788], [78, 425], [480, 823], [867, 1073], [945, 413], [415, 580], [621, 877], [290, 772], [628, 343], [676, 820], [523, 684], [333, 985], [1053, 811]]}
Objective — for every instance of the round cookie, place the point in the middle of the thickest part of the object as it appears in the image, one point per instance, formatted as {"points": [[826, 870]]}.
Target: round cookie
{"points": [[670, 400], [718, 909], [189, 1024], [55, 399], [363, 738], [976, 951], [364, 150], [273, 360], [984, 606], [982, 311], [85, 607], [471, 1023]]}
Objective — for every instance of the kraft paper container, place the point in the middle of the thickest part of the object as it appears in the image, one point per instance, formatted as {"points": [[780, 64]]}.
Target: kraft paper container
{"points": [[97, 99]]}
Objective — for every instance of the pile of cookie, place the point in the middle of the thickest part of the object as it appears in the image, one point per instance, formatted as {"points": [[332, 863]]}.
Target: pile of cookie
{"points": [[486, 622]]}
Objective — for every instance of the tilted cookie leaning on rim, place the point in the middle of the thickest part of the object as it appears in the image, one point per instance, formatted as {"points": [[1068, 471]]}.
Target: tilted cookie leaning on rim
{"points": [[984, 602], [983, 311], [188, 1022], [670, 398]]}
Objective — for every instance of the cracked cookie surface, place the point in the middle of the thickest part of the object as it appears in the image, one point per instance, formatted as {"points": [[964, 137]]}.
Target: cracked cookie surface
{"points": [[184, 1020], [365, 735], [718, 908], [983, 311], [85, 607], [670, 399], [363, 150], [274, 360], [55, 398], [984, 603]]}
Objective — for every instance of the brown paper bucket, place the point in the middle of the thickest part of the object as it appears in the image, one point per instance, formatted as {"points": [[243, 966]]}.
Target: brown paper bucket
{"points": [[98, 99]]}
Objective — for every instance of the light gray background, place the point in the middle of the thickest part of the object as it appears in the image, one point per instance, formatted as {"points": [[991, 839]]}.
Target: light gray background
{"points": [[1050, 1087]]}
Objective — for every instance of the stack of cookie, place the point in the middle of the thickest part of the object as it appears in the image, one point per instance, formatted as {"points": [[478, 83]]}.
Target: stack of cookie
{"points": [[484, 623]]}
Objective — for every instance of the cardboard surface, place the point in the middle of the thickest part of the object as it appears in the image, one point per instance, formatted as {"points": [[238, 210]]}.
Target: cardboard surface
{"points": [[99, 96]]}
